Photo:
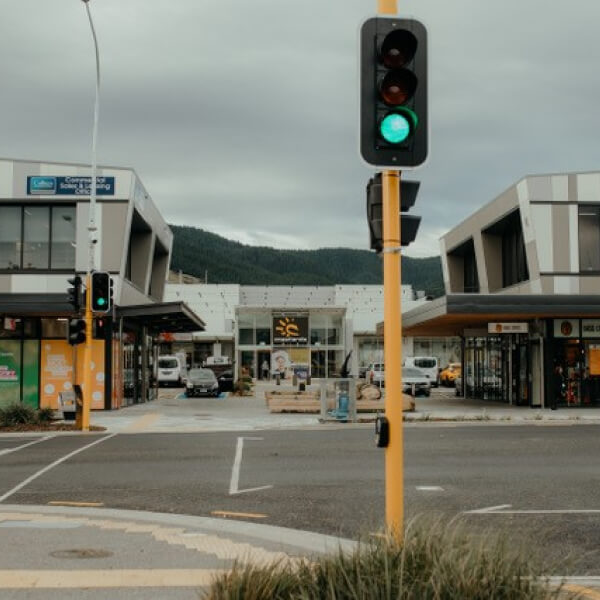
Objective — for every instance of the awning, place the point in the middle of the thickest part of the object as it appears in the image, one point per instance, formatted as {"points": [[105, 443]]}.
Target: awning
{"points": [[451, 315], [31, 305], [163, 317]]}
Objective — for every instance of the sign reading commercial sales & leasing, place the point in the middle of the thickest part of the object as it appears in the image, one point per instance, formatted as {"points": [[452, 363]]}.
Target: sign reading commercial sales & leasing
{"points": [[45, 185], [590, 328]]}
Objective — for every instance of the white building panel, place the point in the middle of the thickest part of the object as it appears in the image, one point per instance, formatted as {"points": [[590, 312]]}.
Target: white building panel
{"points": [[6, 178], [588, 187], [574, 238]]}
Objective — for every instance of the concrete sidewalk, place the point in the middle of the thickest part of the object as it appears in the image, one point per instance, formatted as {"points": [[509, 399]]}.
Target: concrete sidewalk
{"points": [[76, 552], [172, 412]]}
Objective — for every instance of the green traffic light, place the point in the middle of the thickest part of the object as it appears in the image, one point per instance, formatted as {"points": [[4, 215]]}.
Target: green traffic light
{"points": [[101, 302], [396, 127]]}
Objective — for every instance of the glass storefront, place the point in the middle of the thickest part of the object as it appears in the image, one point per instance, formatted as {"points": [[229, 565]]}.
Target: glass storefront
{"points": [[272, 343]]}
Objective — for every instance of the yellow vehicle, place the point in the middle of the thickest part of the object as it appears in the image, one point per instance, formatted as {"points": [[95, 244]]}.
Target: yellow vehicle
{"points": [[450, 373]]}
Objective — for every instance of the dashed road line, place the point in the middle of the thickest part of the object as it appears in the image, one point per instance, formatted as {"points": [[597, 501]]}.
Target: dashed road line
{"points": [[52, 465], [430, 488], [69, 503], [241, 515]]}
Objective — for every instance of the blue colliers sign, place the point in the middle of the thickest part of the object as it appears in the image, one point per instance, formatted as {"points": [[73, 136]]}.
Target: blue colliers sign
{"points": [[69, 186]]}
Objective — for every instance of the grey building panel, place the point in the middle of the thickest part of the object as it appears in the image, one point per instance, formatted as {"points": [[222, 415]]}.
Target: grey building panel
{"points": [[533, 263], [572, 188], [589, 285], [114, 219], [560, 237], [540, 188]]}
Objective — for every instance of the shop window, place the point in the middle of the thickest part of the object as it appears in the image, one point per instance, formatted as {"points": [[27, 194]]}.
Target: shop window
{"points": [[589, 238], [246, 330], [37, 238], [54, 329], [263, 330], [318, 329], [514, 260], [334, 331], [10, 237]]}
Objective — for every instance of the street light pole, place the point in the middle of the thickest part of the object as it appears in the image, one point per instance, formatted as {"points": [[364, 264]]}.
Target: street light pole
{"points": [[84, 422]]}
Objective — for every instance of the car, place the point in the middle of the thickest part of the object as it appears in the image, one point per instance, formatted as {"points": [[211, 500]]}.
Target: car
{"points": [[428, 364], [170, 370], [225, 380], [450, 373], [201, 382], [376, 373], [415, 380]]}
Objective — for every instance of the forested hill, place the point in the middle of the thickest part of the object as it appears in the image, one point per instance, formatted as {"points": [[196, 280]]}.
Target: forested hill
{"points": [[198, 252]]}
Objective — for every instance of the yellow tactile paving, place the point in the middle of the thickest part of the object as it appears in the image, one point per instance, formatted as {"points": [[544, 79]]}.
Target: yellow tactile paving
{"points": [[143, 423], [106, 578]]}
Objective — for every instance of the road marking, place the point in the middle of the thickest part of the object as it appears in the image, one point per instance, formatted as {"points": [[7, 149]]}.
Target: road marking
{"points": [[226, 513], [143, 423], [107, 578], [430, 488], [9, 450], [489, 509], [51, 466], [498, 510], [235, 472], [68, 503], [582, 592]]}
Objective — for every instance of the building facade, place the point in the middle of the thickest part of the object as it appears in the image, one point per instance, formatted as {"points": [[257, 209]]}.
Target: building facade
{"points": [[247, 325], [522, 281], [44, 213]]}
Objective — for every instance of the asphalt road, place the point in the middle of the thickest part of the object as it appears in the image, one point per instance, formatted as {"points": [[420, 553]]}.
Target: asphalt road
{"points": [[331, 481]]}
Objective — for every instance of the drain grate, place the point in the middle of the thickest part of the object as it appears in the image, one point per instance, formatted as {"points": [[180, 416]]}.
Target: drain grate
{"points": [[81, 553]]}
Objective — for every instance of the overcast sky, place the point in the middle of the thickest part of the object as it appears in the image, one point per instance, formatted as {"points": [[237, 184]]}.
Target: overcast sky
{"points": [[241, 116]]}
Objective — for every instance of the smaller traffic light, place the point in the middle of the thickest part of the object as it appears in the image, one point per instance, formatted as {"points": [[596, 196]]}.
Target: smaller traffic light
{"points": [[101, 292], [76, 331], [74, 292], [409, 224]]}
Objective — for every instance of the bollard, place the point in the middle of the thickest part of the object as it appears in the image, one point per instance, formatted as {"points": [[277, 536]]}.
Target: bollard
{"points": [[295, 379], [302, 386], [278, 379]]}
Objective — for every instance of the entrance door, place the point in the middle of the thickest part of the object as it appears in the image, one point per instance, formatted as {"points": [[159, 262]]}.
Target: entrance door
{"points": [[264, 365], [318, 363]]}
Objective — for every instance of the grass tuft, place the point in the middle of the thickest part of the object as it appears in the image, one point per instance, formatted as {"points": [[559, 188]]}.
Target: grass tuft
{"points": [[17, 414], [438, 561]]}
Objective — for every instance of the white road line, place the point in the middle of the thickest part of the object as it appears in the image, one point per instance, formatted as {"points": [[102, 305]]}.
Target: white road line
{"points": [[9, 450], [542, 512], [235, 472], [488, 509], [51, 466], [430, 488]]}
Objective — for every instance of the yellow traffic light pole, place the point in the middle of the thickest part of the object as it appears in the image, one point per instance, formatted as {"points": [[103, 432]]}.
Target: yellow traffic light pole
{"points": [[83, 412], [392, 336]]}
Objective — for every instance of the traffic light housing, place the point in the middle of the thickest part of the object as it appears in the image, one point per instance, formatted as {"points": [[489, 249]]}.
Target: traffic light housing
{"points": [[101, 292], [393, 92], [74, 295], [409, 224], [76, 333]]}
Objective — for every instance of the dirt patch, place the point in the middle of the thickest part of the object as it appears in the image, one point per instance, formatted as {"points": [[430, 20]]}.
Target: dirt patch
{"points": [[47, 427]]}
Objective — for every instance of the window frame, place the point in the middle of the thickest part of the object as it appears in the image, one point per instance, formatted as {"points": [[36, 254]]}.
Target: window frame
{"points": [[48, 269]]}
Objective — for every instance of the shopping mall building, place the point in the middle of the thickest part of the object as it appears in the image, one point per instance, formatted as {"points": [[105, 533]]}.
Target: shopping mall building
{"points": [[250, 325], [522, 281], [44, 210]]}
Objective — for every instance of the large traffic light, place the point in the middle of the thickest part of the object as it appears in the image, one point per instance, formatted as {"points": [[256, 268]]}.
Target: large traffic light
{"points": [[101, 292], [393, 92], [409, 224], [76, 331], [74, 292]]}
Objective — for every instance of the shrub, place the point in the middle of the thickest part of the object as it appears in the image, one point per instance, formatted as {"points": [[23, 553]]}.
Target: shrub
{"points": [[436, 562], [45, 415], [17, 414], [241, 387]]}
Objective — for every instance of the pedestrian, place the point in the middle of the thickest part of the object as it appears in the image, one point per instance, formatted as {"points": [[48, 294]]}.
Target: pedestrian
{"points": [[265, 369], [557, 387]]}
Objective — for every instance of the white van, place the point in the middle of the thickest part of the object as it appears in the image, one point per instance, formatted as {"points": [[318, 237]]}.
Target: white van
{"points": [[428, 364], [170, 370]]}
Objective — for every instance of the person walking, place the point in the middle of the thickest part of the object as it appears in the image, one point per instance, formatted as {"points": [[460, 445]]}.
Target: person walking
{"points": [[265, 369], [557, 387]]}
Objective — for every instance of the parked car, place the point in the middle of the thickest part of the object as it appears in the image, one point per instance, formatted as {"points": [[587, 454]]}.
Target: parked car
{"points": [[450, 373], [413, 378], [201, 382], [170, 370], [225, 380], [428, 364], [376, 373]]}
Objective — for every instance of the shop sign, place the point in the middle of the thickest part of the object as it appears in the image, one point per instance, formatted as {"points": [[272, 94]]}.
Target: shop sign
{"points": [[290, 330], [8, 367], [566, 328], [590, 328], [69, 186], [508, 327], [10, 324]]}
